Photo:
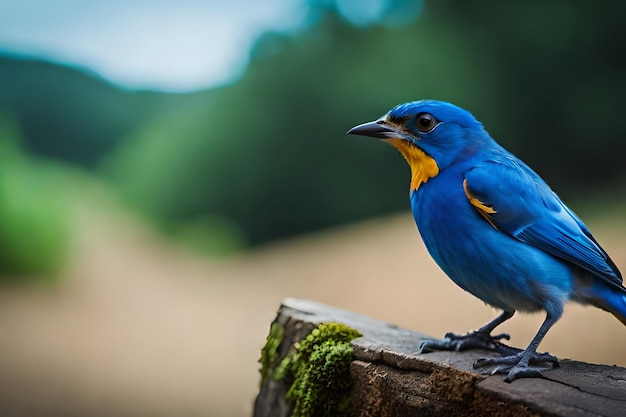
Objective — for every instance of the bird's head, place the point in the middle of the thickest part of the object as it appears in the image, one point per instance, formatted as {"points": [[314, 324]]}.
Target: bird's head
{"points": [[430, 134]]}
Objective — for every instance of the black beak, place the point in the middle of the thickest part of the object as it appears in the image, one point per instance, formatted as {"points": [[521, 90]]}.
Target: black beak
{"points": [[376, 129]]}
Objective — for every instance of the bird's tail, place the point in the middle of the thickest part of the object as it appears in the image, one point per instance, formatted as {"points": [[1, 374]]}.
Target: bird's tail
{"points": [[619, 308], [611, 299]]}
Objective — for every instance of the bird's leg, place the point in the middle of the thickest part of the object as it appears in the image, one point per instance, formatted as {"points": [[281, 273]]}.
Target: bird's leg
{"points": [[479, 339], [520, 365]]}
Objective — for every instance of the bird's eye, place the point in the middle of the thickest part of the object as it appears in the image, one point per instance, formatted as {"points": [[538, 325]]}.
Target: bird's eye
{"points": [[426, 122]]}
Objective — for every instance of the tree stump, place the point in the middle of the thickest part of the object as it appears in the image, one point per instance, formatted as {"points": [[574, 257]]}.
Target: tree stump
{"points": [[389, 377]]}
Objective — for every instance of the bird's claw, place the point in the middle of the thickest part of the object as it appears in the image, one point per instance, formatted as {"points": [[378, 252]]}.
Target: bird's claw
{"points": [[524, 372], [535, 358], [515, 367], [511, 363], [474, 340]]}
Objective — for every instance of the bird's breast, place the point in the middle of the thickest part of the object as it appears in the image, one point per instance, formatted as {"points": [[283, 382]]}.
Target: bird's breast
{"points": [[488, 263], [442, 210]]}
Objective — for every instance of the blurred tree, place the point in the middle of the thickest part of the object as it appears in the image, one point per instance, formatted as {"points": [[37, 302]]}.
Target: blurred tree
{"points": [[68, 114], [558, 76], [270, 154], [266, 157], [34, 218]]}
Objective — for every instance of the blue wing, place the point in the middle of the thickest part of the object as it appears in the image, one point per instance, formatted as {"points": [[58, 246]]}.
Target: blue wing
{"points": [[515, 200]]}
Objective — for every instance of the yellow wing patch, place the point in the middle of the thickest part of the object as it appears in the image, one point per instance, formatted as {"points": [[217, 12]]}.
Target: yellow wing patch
{"points": [[423, 167], [482, 208]]}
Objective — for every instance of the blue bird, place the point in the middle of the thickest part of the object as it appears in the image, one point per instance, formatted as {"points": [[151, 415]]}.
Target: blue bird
{"points": [[496, 229]]}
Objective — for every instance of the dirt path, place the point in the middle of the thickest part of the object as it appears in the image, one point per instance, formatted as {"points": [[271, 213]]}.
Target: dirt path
{"points": [[139, 327]]}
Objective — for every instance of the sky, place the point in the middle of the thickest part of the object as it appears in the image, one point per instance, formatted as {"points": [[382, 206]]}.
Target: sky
{"points": [[167, 45]]}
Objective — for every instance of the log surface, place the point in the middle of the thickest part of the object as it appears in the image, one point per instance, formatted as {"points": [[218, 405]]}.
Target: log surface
{"points": [[391, 379]]}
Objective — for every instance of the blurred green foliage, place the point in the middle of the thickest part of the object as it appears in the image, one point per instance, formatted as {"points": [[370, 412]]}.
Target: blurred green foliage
{"points": [[68, 114], [266, 157], [35, 235]]}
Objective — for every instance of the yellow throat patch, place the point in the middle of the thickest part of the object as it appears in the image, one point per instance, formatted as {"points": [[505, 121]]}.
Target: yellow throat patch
{"points": [[423, 167]]}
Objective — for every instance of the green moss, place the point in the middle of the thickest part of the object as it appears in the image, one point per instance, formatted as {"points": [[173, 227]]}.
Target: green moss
{"points": [[320, 367], [317, 369], [269, 353]]}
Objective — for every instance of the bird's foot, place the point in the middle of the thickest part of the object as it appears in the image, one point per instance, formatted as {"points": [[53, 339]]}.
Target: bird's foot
{"points": [[518, 366], [473, 340]]}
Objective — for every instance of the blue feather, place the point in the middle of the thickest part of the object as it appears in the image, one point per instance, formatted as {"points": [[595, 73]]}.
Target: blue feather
{"points": [[530, 211]]}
